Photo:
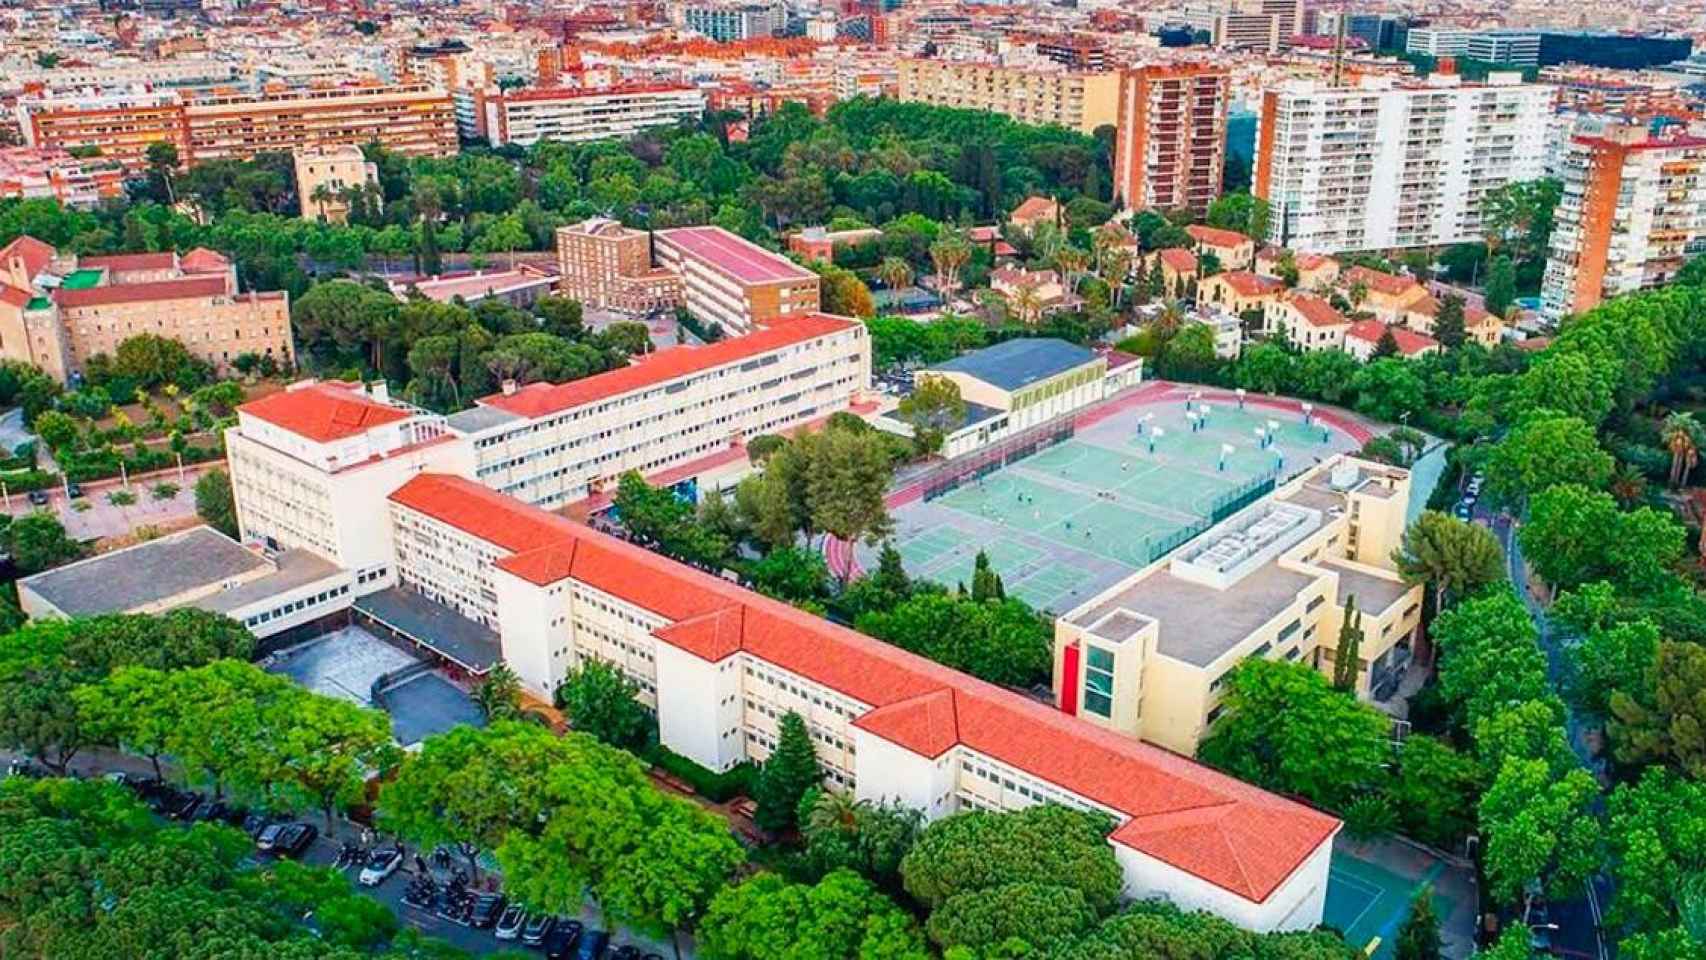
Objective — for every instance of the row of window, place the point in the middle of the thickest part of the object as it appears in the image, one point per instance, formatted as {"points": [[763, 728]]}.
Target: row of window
{"points": [[295, 606]]}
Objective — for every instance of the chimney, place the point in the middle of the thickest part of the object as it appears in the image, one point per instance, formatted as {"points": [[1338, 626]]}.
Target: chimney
{"points": [[509, 388], [379, 391]]}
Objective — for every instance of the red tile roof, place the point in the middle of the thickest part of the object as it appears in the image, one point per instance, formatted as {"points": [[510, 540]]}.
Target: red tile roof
{"points": [[1033, 209], [36, 254], [542, 399], [1247, 284], [1318, 312], [1179, 260], [181, 289], [323, 412], [1378, 282], [1228, 833], [203, 260], [132, 261], [1216, 237], [747, 262], [14, 296], [1409, 342]]}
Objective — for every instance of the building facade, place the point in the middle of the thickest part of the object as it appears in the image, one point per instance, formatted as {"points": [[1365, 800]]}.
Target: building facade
{"points": [[1170, 139], [1076, 100], [525, 117], [605, 264], [1148, 657], [1632, 212], [732, 282], [336, 169], [27, 173], [1383, 165], [57, 311]]}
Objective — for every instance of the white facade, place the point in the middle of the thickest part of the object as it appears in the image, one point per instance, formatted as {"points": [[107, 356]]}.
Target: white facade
{"points": [[560, 444], [1381, 166], [528, 116]]}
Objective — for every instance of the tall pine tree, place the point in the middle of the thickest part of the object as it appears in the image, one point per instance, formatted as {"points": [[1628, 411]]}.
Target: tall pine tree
{"points": [[1448, 322], [1418, 938], [785, 777], [1345, 662]]}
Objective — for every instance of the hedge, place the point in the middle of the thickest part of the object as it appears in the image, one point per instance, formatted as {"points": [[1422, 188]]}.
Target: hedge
{"points": [[23, 481], [101, 464], [717, 787]]}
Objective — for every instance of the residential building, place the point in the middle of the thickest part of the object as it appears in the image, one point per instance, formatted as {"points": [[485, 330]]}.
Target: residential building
{"points": [[1077, 100], [1149, 656], [325, 173], [727, 22], [1033, 211], [1314, 271], [1238, 292], [526, 116], [1438, 41], [520, 286], [1307, 321], [27, 173], [1035, 291], [1363, 338], [58, 310], [732, 282], [1234, 250], [1422, 316], [1385, 295], [1383, 165], [605, 264], [412, 119], [721, 666], [678, 416], [819, 243], [1632, 211], [1170, 138]]}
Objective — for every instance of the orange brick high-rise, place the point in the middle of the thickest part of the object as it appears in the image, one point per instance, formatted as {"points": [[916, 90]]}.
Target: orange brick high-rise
{"points": [[1170, 139]]}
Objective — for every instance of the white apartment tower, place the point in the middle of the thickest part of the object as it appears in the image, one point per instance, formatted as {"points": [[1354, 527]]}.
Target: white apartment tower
{"points": [[1382, 165]]}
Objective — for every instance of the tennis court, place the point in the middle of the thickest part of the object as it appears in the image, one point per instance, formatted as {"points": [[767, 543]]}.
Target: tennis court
{"points": [[1079, 515], [1369, 891]]}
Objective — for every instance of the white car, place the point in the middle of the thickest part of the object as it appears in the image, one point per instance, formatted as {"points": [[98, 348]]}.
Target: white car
{"points": [[381, 863]]}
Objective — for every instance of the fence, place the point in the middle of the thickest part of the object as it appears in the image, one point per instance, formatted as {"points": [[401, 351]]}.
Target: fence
{"points": [[981, 463]]}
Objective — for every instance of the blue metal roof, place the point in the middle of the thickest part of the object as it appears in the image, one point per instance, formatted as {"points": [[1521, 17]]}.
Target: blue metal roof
{"points": [[1015, 364]]}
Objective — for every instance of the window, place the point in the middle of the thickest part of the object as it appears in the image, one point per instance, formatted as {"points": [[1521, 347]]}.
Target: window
{"points": [[1099, 682]]}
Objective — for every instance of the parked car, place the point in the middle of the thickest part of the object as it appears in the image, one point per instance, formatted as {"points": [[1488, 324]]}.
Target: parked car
{"points": [[185, 806], [626, 951], [537, 929], [593, 945], [509, 925], [287, 839], [560, 943], [488, 908], [73, 491], [380, 865], [26, 768], [38, 498], [254, 822]]}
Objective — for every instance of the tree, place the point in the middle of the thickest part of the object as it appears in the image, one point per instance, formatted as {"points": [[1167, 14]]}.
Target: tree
{"points": [[1520, 214], [38, 715], [1285, 728], [1002, 641], [499, 694], [1543, 451], [1387, 345], [848, 477], [1538, 827], [1418, 938], [842, 917], [603, 703], [843, 292], [1433, 789], [1267, 367], [1449, 327], [1454, 558], [1667, 724], [785, 776], [843, 833], [1681, 434], [1500, 292], [1046, 844], [894, 272], [214, 502], [1046, 916], [664, 882], [792, 574], [324, 748], [1653, 836], [1346, 663], [933, 407], [38, 542], [162, 158]]}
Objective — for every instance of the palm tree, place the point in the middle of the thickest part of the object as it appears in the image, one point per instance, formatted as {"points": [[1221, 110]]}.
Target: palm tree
{"points": [[1169, 320], [834, 811], [949, 253], [1072, 263], [321, 195], [1116, 268], [1628, 485], [894, 272], [499, 695], [1027, 304], [1681, 433]]}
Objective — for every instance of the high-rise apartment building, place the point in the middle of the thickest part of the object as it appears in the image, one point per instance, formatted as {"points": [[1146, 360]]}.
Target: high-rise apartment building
{"points": [[1632, 211], [1076, 100], [1385, 164], [1170, 140], [525, 117], [412, 119], [726, 22]]}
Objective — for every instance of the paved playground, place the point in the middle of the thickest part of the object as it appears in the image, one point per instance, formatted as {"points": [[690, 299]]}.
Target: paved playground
{"points": [[1369, 890], [1137, 478]]}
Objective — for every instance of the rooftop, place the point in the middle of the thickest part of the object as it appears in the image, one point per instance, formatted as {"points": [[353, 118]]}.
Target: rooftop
{"points": [[1186, 633], [199, 558], [434, 625], [1231, 834], [662, 366], [182, 288], [1014, 364], [741, 259], [323, 411]]}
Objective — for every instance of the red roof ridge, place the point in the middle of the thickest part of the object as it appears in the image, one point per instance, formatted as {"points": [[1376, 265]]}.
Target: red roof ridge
{"points": [[322, 411], [927, 723], [206, 285], [36, 254]]}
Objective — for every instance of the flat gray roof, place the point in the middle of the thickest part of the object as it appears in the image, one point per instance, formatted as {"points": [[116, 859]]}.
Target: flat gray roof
{"points": [[1373, 594], [435, 626], [145, 573], [296, 568], [475, 419], [1200, 624], [1013, 364]]}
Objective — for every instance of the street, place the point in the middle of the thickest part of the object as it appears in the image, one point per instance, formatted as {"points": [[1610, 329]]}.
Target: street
{"points": [[324, 851]]}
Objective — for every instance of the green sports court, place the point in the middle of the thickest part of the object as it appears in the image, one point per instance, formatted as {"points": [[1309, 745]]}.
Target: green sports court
{"points": [[1369, 889], [1090, 506]]}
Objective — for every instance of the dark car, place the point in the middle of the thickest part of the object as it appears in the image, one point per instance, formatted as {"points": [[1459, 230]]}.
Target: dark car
{"points": [[510, 924], [560, 943], [488, 907], [539, 926], [627, 951], [38, 498], [287, 839], [253, 823], [184, 807], [593, 945], [73, 491]]}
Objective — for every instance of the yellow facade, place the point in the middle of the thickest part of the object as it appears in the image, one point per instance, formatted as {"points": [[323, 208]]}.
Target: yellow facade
{"points": [[1077, 101]]}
